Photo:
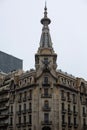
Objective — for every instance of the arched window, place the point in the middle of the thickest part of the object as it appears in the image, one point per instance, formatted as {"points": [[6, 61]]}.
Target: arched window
{"points": [[46, 104], [45, 79]]}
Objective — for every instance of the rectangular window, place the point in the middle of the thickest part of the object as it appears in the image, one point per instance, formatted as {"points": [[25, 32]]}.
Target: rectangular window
{"points": [[19, 108], [24, 95], [63, 119], [20, 96], [24, 119], [62, 93], [74, 98], [62, 106], [24, 107], [83, 110], [69, 120], [84, 121], [74, 109], [68, 96], [30, 119], [30, 93], [30, 106], [75, 121], [19, 120], [11, 121], [46, 92], [11, 108], [46, 117]]}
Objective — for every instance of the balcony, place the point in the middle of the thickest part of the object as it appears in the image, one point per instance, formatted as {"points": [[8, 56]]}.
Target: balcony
{"points": [[75, 125], [4, 99], [74, 101], [46, 84], [84, 114], [24, 111], [64, 124], [29, 98], [63, 98], [29, 111], [46, 122], [46, 108], [18, 125], [19, 112], [70, 125], [75, 113], [69, 112], [3, 116], [69, 99], [84, 127], [46, 96], [29, 123], [10, 113], [4, 108], [19, 100], [3, 124], [64, 111], [83, 102], [23, 124], [24, 99]]}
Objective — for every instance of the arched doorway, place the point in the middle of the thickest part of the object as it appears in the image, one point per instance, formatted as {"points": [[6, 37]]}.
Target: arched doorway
{"points": [[46, 128]]}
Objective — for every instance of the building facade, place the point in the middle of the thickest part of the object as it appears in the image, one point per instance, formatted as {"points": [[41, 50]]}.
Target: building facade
{"points": [[43, 98], [9, 63]]}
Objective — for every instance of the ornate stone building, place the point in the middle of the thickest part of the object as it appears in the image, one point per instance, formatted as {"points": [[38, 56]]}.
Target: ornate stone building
{"points": [[43, 98]]}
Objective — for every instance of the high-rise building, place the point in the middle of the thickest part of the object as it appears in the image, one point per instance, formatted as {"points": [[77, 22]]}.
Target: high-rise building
{"points": [[9, 63], [43, 98]]}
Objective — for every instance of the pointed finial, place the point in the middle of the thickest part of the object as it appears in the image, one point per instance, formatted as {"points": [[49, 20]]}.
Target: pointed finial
{"points": [[45, 5], [45, 9]]}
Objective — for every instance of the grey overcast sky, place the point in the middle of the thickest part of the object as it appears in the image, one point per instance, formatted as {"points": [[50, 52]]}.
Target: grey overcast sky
{"points": [[20, 31]]}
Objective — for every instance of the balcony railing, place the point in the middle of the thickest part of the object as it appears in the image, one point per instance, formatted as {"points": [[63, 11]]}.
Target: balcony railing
{"points": [[83, 102], [46, 96], [69, 99], [19, 100], [4, 107], [45, 84], [64, 111], [24, 99], [23, 124], [46, 108], [74, 101], [4, 99], [75, 113], [29, 98], [10, 113], [70, 125], [84, 127], [69, 112], [63, 98], [3, 124], [84, 114], [46, 122], [29, 111], [3, 116], [75, 125], [24, 111], [64, 124], [19, 112]]}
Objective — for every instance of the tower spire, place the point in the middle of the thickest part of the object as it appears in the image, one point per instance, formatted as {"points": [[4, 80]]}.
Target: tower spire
{"points": [[45, 41]]}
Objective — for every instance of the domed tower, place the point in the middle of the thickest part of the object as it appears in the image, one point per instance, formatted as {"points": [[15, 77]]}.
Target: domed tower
{"points": [[45, 58]]}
